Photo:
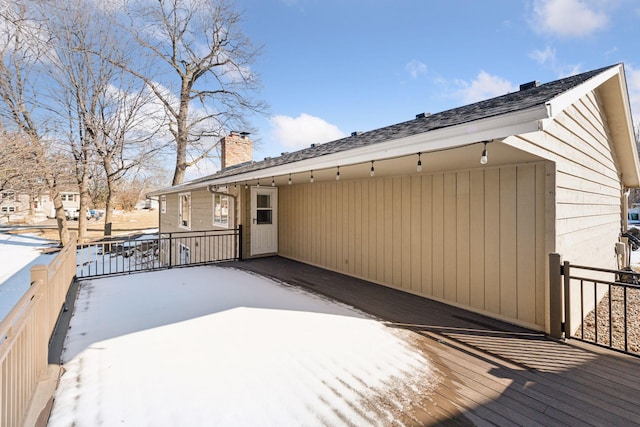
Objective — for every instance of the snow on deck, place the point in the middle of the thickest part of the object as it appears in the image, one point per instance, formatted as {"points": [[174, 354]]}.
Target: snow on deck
{"points": [[219, 346]]}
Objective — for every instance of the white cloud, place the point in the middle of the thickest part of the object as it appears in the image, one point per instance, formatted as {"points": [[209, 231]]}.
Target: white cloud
{"points": [[633, 86], [299, 132], [485, 86], [415, 68], [569, 18], [547, 56]]}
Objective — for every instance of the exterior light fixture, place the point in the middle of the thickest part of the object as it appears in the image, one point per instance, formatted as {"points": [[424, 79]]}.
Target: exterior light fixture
{"points": [[246, 186], [273, 182], [484, 159], [289, 182], [419, 167], [311, 178], [258, 185], [338, 174], [373, 171]]}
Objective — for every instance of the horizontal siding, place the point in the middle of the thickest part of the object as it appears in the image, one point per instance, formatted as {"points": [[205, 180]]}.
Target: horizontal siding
{"points": [[472, 238], [588, 187], [201, 211]]}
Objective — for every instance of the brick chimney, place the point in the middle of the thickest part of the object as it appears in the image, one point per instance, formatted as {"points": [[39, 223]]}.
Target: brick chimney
{"points": [[235, 148]]}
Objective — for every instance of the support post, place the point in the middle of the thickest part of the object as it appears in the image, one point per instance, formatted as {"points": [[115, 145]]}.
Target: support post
{"points": [[556, 306], [239, 242], [566, 269]]}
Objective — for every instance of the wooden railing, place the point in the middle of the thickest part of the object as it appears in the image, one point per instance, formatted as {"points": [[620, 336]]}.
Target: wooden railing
{"points": [[26, 331]]}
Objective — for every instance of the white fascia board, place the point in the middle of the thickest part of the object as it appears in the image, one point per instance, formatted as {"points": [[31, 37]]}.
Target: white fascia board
{"points": [[566, 99], [498, 127]]}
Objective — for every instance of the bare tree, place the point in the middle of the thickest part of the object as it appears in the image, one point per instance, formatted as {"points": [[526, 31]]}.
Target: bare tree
{"points": [[21, 49], [204, 80], [129, 124], [82, 81]]}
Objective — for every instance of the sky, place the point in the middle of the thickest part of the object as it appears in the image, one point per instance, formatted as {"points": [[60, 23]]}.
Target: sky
{"points": [[329, 67], [220, 346]]}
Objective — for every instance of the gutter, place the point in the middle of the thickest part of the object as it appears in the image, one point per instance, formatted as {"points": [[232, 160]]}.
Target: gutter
{"points": [[475, 132]]}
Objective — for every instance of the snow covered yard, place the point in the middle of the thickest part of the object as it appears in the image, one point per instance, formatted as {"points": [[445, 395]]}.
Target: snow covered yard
{"points": [[18, 253], [215, 346]]}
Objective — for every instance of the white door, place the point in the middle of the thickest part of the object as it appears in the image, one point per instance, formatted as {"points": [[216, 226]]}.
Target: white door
{"points": [[264, 220]]}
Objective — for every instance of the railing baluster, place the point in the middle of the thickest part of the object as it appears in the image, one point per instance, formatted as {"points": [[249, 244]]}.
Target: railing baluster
{"points": [[595, 310], [610, 316], [626, 332], [581, 308]]}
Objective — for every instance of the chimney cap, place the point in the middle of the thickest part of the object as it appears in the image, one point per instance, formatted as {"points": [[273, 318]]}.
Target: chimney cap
{"points": [[243, 134], [356, 133], [422, 115]]}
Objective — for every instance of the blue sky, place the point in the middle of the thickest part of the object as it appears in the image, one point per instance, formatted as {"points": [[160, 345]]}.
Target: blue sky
{"points": [[332, 67]]}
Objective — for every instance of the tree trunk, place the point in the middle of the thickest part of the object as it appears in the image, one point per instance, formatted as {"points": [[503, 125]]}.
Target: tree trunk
{"points": [[61, 217], [108, 213]]}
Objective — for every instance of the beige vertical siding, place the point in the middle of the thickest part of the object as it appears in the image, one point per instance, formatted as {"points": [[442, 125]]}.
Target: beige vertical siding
{"points": [[472, 238]]}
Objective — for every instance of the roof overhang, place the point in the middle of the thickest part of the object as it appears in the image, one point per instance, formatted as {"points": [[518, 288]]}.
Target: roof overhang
{"points": [[489, 129], [611, 87]]}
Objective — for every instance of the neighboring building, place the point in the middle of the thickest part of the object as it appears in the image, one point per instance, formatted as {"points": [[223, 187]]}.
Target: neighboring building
{"points": [[412, 206], [15, 204]]}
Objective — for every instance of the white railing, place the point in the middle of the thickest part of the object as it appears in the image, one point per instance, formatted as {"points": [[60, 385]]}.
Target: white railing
{"points": [[25, 333]]}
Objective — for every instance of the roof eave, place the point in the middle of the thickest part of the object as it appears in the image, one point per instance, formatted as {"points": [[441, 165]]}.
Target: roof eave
{"points": [[492, 128]]}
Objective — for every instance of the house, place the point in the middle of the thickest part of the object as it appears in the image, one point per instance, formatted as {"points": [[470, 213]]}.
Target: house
{"points": [[462, 206], [22, 204]]}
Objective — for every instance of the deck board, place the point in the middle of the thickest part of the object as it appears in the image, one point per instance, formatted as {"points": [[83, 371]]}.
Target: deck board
{"points": [[494, 373]]}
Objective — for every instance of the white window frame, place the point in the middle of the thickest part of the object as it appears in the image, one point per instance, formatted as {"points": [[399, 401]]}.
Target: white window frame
{"points": [[182, 223], [9, 209], [220, 219], [163, 204]]}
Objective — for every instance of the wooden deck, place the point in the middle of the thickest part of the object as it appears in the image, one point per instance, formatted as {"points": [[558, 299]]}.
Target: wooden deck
{"points": [[494, 373]]}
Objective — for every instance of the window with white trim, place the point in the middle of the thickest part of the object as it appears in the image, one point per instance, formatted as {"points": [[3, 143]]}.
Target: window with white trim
{"points": [[163, 204], [184, 211], [221, 210], [8, 209], [68, 197]]}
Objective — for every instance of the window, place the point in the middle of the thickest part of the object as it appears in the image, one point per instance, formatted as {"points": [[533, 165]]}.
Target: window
{"points": [[163, 204], [221, 210], [264, 210], [8, 209], [67, 197], [9, 195], [184, 211]]}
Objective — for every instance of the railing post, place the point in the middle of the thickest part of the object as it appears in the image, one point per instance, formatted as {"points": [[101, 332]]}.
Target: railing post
{"points": [[170, 250], [240, 242], [555, 296], [567, 299]]}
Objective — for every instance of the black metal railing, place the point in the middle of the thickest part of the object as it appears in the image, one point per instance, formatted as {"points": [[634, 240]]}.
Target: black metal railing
{"points": [[606, 303], [150, 252]]}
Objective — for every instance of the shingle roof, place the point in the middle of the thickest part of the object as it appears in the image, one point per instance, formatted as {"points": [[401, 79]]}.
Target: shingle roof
{"points": [[509, 103]]}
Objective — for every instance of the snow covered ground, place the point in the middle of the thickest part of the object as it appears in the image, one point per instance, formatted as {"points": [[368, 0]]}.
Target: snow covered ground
{"points": [[207, 346], [18, 253]]}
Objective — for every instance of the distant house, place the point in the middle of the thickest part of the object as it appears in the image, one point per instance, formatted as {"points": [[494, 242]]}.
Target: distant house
{"points": [[461, 206], [22, 204]]}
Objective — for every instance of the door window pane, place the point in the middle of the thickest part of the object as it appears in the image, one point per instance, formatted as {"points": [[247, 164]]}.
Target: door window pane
{"points": [[264, 201], [263, 216]]}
